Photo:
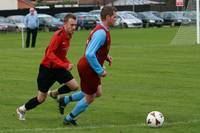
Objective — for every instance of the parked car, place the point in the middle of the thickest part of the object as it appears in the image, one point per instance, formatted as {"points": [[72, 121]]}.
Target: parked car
{"points": [[48, 22], [127, 21], [95, 12], [85, 21], [156, 13], [18, 20], [130, 12], [3, 27], [191, 15], [149, 19], [7, 25], [97, 18], [60, 16], [175, 18]]}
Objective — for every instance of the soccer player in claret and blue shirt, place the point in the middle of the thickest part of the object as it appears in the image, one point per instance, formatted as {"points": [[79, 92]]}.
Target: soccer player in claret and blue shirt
{"points": [[54, 67], [90, 67]]}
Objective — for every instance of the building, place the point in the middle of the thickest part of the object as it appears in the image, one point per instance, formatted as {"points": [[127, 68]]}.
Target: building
{"points": [[135, 2], [79, 2], [15, 4], [95, 2], [24, 4], [9, 4]]}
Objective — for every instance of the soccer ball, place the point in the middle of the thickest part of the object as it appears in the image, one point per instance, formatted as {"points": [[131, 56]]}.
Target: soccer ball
{"points": [[155, 119]]}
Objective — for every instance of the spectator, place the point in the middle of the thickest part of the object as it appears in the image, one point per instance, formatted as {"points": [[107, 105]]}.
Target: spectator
{"points": [[32, 24]]}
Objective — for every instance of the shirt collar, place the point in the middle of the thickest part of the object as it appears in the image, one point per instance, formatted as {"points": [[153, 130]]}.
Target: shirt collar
{"points": [[105, 27]]}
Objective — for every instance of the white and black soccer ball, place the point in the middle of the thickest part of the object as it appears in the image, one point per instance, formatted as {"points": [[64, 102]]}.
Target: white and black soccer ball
{"points": [[155, 119]]}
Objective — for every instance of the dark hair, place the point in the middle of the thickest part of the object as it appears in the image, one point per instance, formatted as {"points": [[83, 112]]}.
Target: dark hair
{"points": [[107, 10], [68, 16]]}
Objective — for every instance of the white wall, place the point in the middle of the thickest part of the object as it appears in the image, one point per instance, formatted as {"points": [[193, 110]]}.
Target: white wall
{"points": [[8, 4]]}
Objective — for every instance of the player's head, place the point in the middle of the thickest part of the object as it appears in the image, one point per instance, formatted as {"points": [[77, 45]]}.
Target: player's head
{"points": [[108, 14], [70, 23]]}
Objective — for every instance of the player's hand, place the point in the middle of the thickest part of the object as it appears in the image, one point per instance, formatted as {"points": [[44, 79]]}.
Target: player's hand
{"points": [[109, 59], [104, 73], [70, 67]]}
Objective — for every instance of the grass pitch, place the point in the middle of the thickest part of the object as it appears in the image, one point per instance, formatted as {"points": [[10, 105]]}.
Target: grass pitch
{"points": [[147, 74]]}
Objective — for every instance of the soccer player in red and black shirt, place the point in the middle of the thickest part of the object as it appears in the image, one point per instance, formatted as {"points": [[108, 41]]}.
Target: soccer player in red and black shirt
{"points": [[54, 67], [90, 66]]}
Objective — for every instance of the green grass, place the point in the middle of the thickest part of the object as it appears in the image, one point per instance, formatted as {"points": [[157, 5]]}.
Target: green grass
{"points": [[147, 74]]}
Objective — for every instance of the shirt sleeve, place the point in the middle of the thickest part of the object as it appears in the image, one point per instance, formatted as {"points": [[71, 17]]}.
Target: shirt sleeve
{"points": [[97, 40], [50, 53], [25, 20]]}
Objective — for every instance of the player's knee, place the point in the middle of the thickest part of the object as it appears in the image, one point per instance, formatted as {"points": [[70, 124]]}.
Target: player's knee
{"points": [[75, 87], [98, 94], [41, 99], [89, 100]]}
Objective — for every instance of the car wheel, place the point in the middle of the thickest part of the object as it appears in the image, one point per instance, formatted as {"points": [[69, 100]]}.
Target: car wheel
{"points": [[172, 24], [18, 29], [46, 29], [78, 28], [124, 25], [159, 26], [147, 25]]}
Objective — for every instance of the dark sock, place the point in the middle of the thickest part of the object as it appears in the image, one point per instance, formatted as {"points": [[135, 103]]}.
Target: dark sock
{"points": [[72, 116], [70, 98], [32, 103], [64, 89]]}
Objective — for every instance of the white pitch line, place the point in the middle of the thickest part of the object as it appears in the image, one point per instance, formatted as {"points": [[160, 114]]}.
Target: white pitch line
{"points": [[91, 127]]}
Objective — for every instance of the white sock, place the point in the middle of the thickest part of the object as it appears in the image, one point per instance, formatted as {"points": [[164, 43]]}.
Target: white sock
{"points": [[22, 108]]}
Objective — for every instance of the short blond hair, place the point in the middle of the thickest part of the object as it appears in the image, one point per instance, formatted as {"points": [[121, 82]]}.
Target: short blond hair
{"points": [[68, 16]]}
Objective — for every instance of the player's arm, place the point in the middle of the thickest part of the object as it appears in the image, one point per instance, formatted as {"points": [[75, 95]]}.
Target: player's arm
{"points": [[50, 53], [98, 39]]}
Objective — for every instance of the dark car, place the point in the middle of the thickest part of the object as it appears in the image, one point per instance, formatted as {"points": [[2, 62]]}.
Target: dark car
{"points": [[149, 19], [49, 23], [175, 18], [85, 21]]}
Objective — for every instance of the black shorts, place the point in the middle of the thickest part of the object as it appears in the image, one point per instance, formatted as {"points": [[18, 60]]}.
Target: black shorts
{"points": [[48, 76]]}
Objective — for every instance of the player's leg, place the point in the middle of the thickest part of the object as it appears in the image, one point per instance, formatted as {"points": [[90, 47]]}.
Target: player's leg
{"points": [[99, 91], [44, 81], [71, 85], [63, 101], [32, 103], [66, 78], [78, 96], [81, 106], [28, 33], [34, 36]]}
